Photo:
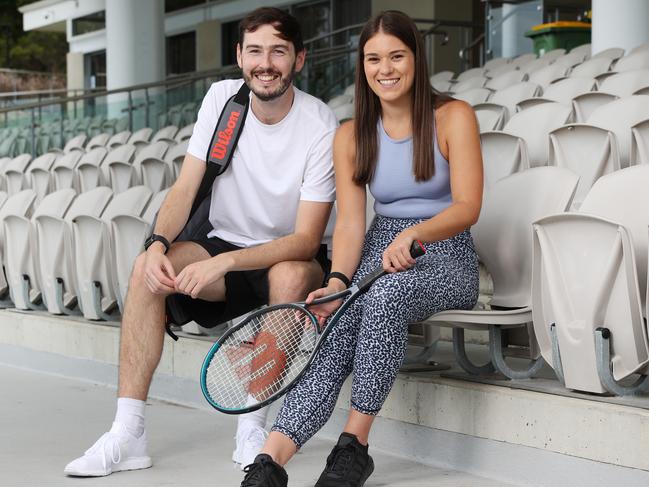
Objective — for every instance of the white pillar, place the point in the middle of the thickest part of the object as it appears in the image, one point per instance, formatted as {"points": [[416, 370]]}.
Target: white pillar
{"points": [[135, 45], [622, 23]]}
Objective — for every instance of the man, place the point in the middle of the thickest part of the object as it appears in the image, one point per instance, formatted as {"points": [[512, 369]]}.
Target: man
{"points": [[269, 210]]}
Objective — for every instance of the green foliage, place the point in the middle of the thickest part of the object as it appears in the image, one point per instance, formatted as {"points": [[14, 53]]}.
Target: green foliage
{"points": [[34, 50]]}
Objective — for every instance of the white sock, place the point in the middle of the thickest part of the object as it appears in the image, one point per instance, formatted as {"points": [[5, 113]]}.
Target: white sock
{"points": [[258, 417], [130, 413]]}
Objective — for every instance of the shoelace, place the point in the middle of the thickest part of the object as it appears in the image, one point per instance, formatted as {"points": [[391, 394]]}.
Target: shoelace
{"points": [[107, 445], [340, 459], [256, 437], [255, 473]]}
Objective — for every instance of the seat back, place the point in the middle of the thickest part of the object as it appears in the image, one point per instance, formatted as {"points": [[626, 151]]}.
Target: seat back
{"points": [[548, 74], [534, 125], [514, 94], [503, 233], [63, 170], [185, 133], [585, 104], [490, 116], [584, 277], [626, 83], [591, 68], [506, 79], [622, 197], [474, 96], [633, 62], [611, 53], [618, 117], [639, 143], [565, 90], [588, 151]]}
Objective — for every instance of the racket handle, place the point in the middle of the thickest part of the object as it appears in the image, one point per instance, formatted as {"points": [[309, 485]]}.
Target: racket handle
{"points": [[416, 250]]}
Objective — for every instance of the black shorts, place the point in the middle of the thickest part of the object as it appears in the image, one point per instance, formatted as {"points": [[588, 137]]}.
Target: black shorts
{"points": [[244, 291]]}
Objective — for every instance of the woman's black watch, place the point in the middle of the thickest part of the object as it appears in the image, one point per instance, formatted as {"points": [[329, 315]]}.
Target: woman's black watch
{"points": [[340, 276], [157, 238]]}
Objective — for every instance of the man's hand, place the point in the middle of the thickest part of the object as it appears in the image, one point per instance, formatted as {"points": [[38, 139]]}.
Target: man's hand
{"points": [[159, 274], [197, 276]]}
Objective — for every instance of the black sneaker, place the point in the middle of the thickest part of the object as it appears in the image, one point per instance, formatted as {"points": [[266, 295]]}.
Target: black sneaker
{"points": [[264, 472], [348, 464]]}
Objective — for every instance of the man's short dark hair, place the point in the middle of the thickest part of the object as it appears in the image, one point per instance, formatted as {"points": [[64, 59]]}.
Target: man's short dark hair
{"points": [[287, 25]]}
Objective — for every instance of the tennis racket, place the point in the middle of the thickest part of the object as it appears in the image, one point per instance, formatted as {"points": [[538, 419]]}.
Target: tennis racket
{"points": [[260, 359]]}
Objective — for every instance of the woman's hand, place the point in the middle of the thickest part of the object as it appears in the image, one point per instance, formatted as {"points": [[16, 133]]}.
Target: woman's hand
{"points": [[324, 310], [397, 258]]}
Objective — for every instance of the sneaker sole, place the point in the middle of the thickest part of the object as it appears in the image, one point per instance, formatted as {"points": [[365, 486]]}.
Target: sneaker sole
{"points": [[368, 472], [137, 463]]}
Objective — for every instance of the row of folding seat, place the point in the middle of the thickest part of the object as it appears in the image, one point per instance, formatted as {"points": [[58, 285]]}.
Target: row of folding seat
{"points": [[155, 165], [616, 135], [73, 249], [576, 280]]}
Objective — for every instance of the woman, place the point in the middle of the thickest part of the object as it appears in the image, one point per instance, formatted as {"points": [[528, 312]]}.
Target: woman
{"points": [[419, 152]]}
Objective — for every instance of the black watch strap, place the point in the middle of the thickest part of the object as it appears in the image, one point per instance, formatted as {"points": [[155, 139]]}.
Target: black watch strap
{"points": [[157, 238], [340, 276]]}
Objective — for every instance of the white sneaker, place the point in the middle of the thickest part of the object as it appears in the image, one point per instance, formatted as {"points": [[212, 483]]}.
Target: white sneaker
{"points": [[250, 440], [115, 451]]}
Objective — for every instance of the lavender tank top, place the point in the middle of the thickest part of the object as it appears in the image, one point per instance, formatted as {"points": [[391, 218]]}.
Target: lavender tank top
{"points": [[395, 191]]}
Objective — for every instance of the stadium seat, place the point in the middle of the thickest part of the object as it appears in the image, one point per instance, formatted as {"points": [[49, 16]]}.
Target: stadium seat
{"points": [[128, 234], [470, 73], [474, 96], [56, 258], [174, 158], [585, 104], [535, 65], [523, 60], [184, 133], [350, 90], [344, 112], [591, 68], [505, 79], [612, 53], [514, 94], [626, 83], [588, 151], [64, 166], [554, 54], [118, 139], [75, 144], [584, 49], [15, 216], [99, 140], [94, 172], [500, 70], [495, 63], [93, 254], [562, 91], [571, 59], [547, 75], [490, 116], [531, 126], [468, 84], [14, 173], [589, 286], [503, 241], [441, 76], [148, 168], [632, 62], [140, 138], [639, 143], [340, 100], [166, 134], [38, 174], [618, 117]]}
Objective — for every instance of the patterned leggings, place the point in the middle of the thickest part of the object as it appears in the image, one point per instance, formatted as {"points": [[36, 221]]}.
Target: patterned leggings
{"points": [[370, 338]]}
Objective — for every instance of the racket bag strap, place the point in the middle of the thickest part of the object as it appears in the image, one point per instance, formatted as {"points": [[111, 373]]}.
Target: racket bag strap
{"points": [[219, 155]]}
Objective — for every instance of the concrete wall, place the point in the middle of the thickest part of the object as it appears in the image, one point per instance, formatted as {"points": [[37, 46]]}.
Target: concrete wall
{"points": [[622, 23]]}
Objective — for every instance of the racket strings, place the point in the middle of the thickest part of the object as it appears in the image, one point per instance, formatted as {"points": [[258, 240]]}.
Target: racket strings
{"points": [[264, 354]]}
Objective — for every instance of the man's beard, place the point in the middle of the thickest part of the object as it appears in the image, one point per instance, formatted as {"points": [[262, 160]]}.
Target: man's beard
{"points": [[284, 83]]}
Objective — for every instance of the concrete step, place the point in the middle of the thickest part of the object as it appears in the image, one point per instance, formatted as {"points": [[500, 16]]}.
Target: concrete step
{"points": [[508, 431]]}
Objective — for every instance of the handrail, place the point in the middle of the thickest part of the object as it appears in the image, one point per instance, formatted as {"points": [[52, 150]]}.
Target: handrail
{"points": [[143, 86]]}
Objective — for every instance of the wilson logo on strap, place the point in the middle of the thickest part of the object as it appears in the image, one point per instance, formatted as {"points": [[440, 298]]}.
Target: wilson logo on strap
{"points": [[224, 137]]}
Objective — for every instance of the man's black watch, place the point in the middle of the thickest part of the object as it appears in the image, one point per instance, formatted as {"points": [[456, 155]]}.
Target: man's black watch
{"points": [[156, 238]]}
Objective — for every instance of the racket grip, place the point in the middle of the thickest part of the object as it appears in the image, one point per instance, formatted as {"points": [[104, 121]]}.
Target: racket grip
{"points": [[417, 249]]}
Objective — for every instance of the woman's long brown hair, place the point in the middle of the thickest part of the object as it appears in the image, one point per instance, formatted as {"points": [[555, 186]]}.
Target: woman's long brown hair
{"points": [[368, 106]]}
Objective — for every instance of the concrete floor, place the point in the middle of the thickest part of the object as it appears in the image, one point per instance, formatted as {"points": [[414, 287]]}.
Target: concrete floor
{"points": [[46, 421]]}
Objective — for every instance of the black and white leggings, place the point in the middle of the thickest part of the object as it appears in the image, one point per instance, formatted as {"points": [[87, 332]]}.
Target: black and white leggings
{"points": [[370, 338]]}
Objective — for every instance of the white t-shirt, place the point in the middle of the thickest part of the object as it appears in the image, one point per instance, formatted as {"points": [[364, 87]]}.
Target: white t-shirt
{"points": [[274, 167]]}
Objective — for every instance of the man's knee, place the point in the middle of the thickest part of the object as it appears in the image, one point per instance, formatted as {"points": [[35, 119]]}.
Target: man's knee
{"points": [[292, 280], [137, 274]]}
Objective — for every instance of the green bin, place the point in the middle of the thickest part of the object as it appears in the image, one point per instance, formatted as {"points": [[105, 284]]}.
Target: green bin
{"points": [[558, 35]]}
